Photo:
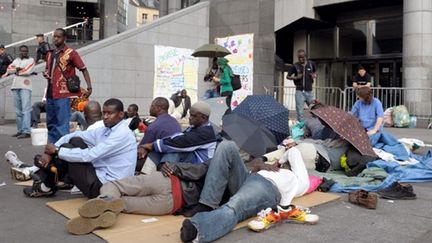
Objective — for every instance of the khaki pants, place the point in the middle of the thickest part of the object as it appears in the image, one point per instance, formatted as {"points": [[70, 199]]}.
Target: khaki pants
{"points": [[142, 194]]}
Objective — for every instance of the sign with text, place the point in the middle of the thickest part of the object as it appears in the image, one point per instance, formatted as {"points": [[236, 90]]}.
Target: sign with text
{"points": [[175, 69]]}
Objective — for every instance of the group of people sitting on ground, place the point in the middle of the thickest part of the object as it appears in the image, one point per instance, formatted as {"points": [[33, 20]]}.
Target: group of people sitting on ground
{"points": [[197, 173]]}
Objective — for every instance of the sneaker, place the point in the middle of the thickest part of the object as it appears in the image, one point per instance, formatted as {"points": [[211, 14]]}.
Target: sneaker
{"points": [[97, 206], [36, 191], [81, 225], [24, 135], [61, 185], [20, 174], [297, 214], [363, 198], [13, 160], [266, 218]]}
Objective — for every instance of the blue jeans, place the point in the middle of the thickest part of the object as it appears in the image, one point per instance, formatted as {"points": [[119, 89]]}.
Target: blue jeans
{"points": [[58, 117], [300, 98], [250, 193], [23, 109], [210, 93], [78, 116]]}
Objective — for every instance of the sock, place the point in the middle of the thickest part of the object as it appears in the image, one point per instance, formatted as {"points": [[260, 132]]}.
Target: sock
{"points": [[45, 188]]}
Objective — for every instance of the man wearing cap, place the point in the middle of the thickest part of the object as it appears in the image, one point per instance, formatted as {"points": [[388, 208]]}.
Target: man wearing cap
{"points": [[195, 145], [43, 48], [5, 60]]}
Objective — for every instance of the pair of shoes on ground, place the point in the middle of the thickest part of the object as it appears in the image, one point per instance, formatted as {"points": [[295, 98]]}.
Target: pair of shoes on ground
{"points": [[363, 198], [397, 191], [96, 213], [268, 218], [19, 170], [21, 135]]}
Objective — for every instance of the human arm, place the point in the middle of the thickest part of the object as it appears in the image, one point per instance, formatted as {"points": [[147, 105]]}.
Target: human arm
{"points": [[88, 82], [79, 64], [379, 112], [258, 164], [355, 109], [28, 69], [292, 70]]}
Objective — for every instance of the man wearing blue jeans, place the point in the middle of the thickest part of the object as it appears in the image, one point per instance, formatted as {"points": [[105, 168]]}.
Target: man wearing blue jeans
{"points": [[60, 66], [22, 68], [250, 192], [305, 73]]}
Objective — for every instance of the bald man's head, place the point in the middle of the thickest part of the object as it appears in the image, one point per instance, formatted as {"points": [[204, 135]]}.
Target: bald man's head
{"points": [[159, 106], [92, 112]]}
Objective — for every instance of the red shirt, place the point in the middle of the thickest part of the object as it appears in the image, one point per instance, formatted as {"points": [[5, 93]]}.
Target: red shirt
{"points": [[68, 59]]}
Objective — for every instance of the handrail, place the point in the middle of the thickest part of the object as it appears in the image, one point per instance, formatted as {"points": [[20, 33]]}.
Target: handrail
{"points": [[47, 33]]}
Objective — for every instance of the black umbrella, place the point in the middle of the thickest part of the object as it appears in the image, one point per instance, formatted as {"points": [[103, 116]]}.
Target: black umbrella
{"points": [[211, 50], [251, 136]]}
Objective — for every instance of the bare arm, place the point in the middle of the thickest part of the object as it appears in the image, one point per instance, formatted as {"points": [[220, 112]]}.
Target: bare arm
{"points": [[88, 81], [377, 126]]}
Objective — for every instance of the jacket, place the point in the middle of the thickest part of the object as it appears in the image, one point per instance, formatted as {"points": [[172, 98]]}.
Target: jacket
{"points": [[304, 83], [42, 51], [5, 61]]}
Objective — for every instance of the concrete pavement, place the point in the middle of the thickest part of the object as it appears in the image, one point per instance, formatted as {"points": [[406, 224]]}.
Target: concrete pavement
{"points": [[29, 220]]}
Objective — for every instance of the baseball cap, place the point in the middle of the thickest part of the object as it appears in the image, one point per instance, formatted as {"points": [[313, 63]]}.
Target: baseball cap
{"points": [[2, 46]]}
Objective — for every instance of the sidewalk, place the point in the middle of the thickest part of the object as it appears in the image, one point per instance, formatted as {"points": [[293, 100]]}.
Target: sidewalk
{"points": [[29, 220]]}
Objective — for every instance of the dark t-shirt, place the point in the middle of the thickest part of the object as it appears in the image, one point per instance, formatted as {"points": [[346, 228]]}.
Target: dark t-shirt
{"points": [[362, 80]]}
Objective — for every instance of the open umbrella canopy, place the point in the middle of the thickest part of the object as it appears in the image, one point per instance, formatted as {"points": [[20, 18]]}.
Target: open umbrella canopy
{"points": [[251, 136], [211, 50], [347, 126], [266, 110]]}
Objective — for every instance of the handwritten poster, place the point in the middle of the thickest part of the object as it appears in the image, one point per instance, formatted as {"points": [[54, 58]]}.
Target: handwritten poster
{"points": [[241, 62], [175, 69]]}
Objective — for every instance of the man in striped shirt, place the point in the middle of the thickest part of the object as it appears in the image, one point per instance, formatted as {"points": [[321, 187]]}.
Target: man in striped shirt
{"points": [[22, 68]]}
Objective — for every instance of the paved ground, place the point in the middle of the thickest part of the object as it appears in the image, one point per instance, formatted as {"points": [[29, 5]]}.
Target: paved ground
{"points": [[29, 220]]}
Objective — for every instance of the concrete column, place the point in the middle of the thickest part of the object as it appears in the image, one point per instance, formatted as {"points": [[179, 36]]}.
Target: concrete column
{"points": [[163, 8], [174, 6], [417, 55]]}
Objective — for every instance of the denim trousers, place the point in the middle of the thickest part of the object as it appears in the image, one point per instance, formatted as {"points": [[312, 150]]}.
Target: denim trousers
{"points": [[78, 116], [211, 93], [58, 117], [23, 109], [250, 193], [300, 98]]}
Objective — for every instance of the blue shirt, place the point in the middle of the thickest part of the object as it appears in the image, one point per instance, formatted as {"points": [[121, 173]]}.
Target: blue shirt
{"points": [[164, 126], [368, 113], [112, 151]]}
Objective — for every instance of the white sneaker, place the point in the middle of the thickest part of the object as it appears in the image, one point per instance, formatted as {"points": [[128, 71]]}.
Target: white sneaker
{"points": [[23, 174], [12, 159]]}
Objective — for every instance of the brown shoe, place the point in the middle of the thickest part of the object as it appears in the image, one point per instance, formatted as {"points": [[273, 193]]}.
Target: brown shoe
{"points": [[363, 198]]}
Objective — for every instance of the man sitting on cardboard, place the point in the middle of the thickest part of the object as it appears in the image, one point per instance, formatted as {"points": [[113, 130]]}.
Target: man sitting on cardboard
{"points": [[89, 158]]}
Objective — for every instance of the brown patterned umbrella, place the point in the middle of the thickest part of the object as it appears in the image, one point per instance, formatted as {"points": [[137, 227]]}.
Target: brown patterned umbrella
{"points": [[347, 126]]}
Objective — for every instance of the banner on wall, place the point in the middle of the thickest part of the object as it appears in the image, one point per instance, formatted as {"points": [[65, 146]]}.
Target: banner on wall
{"points": [[175, 69], [241, 62]]}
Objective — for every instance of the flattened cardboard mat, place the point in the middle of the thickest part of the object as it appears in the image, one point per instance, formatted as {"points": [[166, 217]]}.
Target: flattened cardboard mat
{"points": [[131, 228]]}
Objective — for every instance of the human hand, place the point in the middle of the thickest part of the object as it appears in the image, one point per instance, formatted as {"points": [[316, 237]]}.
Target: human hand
{"points": [[147, 146], [372, 132], [45, 74], [87, 93], [270, 167], [45, 160], [166, 170], [50, 149], [142, 152], [5, 75]]}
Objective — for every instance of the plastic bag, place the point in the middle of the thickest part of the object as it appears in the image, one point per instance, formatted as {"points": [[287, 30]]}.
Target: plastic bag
{"points": [[388, 119], [401, 117]]}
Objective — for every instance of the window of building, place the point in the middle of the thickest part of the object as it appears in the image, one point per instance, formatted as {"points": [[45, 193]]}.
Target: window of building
{"points": [[322, 43], [155, 16], [187, 3], [144, 18], [353, 39], [386, 36]]}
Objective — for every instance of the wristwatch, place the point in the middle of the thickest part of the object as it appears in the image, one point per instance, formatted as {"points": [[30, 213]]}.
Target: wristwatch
{"points": [[57, 149]]}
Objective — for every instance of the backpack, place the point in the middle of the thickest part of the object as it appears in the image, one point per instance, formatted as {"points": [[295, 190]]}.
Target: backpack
{"points": [[235, 82]]}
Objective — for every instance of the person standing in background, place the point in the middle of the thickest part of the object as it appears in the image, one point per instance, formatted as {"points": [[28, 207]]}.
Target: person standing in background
{"points": [[42, 49], [225, 79], [305, 74], [21, 88], [5, 60], [60, 62]]}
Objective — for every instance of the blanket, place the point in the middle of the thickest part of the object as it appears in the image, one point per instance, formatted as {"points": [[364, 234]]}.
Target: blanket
{"points": [[390, 144], [420, 172]]}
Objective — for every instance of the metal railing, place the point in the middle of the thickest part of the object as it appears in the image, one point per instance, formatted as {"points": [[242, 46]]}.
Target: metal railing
{"points": [[80, 27], [417, 100]]}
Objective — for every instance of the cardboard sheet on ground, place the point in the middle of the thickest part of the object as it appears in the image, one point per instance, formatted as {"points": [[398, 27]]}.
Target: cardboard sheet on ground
{"points": [[130, 228]]}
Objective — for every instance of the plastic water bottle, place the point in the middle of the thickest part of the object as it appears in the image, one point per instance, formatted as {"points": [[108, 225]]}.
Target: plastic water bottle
{"points": [[413, 122]]}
